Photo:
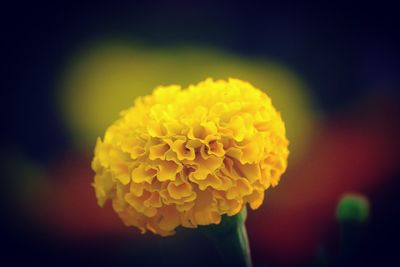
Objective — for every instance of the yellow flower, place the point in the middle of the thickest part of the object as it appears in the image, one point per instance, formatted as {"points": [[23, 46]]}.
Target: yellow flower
{"points": [[185, 157]]}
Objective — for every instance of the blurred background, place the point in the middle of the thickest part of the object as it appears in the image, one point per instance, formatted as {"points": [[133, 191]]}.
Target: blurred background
{"points": [[330, 68]]}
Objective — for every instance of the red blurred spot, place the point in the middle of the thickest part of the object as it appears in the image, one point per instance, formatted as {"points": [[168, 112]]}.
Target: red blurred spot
{"points": [[347, 154], [68, 207]]}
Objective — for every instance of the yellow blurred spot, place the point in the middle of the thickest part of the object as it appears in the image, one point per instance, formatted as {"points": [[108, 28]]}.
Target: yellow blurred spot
{"points": [[107, 77]]}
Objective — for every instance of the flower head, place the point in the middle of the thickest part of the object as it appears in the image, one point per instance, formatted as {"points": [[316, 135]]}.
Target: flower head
{"points": [[185, 157]]}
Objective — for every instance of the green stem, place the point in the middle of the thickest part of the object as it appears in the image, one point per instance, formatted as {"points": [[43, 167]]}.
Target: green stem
{"points": [[230, 239]]}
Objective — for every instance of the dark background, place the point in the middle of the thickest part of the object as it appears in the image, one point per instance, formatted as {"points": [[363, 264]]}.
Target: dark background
{"points": [[347, 53]]}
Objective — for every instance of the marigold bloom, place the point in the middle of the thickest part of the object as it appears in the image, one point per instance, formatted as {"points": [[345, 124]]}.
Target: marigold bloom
{"points": [[185, 157]]}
